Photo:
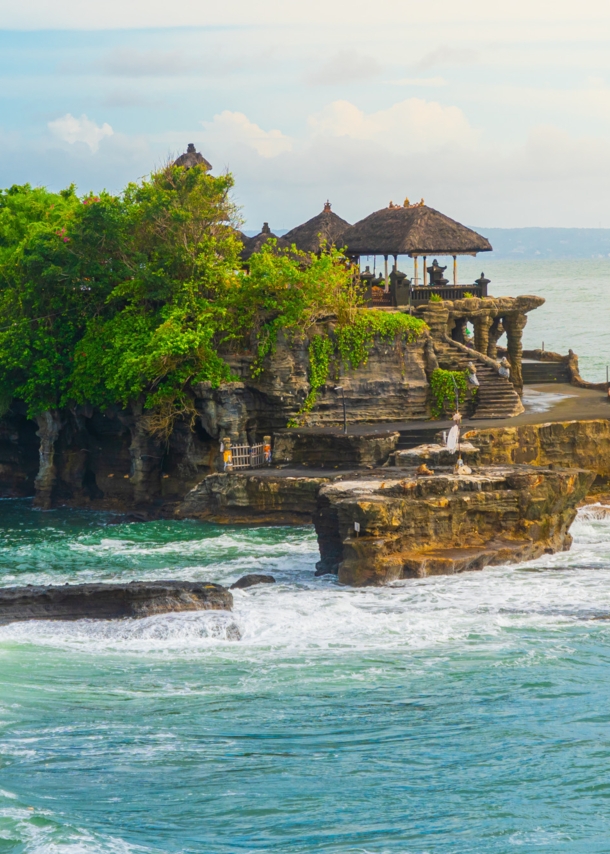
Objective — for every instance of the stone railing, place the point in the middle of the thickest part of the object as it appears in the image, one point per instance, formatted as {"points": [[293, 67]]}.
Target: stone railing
{"points": [[401, 295], [450, 292]]}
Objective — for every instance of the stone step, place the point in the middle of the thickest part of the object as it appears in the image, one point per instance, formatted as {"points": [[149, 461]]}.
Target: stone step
{"points": [[544, 372], [496, 397]]}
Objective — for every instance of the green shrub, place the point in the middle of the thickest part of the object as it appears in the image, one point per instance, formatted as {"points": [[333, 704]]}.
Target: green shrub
{"points": [[443, 390]]}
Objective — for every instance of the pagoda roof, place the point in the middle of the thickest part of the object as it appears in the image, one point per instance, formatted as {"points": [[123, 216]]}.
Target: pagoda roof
{"points": [[324, 227], [192, 158], [412, 230]]}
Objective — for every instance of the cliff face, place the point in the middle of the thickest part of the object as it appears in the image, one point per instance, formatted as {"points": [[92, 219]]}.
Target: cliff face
{"points": [[585, 444], [391, 386], [110, 459], [444, 524]]}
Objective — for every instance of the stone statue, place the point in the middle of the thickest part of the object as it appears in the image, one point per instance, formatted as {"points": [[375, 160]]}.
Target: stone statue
{"points": [[436, 275]]}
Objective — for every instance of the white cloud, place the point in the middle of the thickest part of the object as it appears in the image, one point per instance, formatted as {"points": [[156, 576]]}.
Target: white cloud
{"points": [[410, 125], [419, 81], [118, 14], [70, 129], [346, 66], [228, 129], [445, 55]]}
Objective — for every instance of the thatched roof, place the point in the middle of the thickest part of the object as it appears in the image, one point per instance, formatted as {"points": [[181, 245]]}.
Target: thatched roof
{"points": [[412, 230], [254, 244], [192, 158], [326, 226]]}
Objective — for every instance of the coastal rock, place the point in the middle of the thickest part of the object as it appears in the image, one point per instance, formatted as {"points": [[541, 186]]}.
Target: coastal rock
{"points": [[110, 601], [435, 455], [262, 497], [584, 444], [251, 580], [374, 531], [309, 447]]}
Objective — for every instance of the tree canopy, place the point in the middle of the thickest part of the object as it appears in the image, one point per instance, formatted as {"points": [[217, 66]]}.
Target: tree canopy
{"points": [[108, 299]]}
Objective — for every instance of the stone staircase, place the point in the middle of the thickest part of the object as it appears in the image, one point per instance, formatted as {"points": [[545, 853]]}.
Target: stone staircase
{"points": [[413, 438], [496, 397]]}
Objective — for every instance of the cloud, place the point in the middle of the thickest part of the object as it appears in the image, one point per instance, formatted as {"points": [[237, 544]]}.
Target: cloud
{"points": [[410, 125], [229, 129], [137, 14], [70, 129], [445, 55], [347, 66], [419, 81], [127, 62]]}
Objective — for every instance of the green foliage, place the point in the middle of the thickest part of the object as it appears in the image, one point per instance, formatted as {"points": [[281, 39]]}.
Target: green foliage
{"points": [[351, 343], [443, 390], [287, 292], [435, 298], [355, 339], [114, 299], [321, 350], [468, 295]]}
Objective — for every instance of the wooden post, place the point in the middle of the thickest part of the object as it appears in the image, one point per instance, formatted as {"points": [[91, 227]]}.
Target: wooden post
{"points": [[423, 273], [387, 284], [455, 281], [415, 271]]}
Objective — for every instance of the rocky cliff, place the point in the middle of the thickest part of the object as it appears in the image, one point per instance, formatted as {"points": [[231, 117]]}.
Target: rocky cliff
{"points": [[111, 460], [585, 444], [377, 527]]}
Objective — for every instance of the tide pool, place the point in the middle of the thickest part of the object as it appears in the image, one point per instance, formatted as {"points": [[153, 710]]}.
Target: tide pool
{"points": [[450, 714]]}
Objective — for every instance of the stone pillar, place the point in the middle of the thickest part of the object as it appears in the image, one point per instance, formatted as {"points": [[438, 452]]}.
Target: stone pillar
{"points": [[481, 333], [457, 333], [514, 325], [495, 333], [49, 426], [436, 316]]}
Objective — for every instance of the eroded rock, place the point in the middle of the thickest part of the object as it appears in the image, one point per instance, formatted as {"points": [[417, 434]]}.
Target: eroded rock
{"points": [[252, 579], [110, 601], [379, 530]]}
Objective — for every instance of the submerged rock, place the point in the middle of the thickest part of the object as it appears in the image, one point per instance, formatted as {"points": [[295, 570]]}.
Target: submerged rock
{"points": [[251, 580], [110, 601]]}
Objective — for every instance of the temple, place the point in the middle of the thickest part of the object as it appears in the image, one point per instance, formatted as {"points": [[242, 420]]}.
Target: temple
{"points": [[424, 234], [464, 319]]}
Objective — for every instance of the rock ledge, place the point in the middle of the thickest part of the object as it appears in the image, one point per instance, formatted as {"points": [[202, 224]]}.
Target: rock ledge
{"points": [[110, 601]]}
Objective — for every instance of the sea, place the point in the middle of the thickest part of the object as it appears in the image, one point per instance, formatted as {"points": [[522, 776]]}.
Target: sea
{"points": [[445, 715]]}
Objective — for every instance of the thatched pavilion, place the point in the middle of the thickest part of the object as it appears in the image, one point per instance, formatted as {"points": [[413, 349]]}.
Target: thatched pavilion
{"points": [[415, 230], [325, 227], [192, 158], [254, 244]]}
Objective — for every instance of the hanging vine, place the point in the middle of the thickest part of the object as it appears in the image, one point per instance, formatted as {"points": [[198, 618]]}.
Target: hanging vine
{"points": [[350, 345], [443, 389]]}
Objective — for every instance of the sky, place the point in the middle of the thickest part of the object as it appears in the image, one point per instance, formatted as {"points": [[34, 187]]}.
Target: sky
{"points": [[498, 114]]}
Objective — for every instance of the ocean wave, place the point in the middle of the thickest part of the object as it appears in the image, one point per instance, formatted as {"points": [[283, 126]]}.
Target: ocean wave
{"points": [[302, 614]]}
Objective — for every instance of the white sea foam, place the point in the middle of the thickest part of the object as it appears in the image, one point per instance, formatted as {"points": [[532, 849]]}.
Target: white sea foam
{"points": [[40, 833], [302, 614]]}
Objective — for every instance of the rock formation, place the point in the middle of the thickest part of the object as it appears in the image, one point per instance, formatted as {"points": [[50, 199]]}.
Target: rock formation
{"points": [[252, 580], [585, 444], [110, 601], [375, 527], [374, 531]]}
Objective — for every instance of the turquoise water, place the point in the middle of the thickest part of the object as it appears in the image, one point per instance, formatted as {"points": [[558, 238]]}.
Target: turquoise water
{"points": [[452, 714]]}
